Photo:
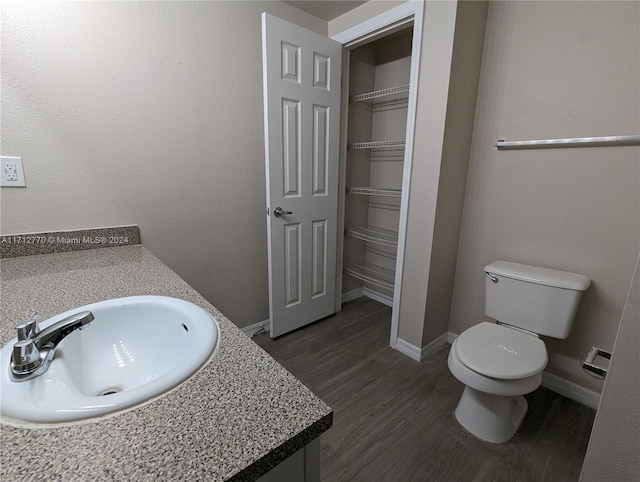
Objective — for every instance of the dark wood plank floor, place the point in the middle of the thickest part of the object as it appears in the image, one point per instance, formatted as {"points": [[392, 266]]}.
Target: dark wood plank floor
{"points": [[393, 416]]}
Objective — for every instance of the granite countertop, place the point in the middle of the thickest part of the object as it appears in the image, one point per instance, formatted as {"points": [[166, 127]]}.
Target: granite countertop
{"points": [[239, 416]]}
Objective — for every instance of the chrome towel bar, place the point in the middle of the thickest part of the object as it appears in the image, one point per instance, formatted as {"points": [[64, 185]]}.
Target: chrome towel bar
{"points": [[570, 142]]}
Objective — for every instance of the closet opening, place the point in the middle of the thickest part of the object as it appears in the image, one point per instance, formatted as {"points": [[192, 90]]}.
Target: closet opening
{"points": [[377, 88]]}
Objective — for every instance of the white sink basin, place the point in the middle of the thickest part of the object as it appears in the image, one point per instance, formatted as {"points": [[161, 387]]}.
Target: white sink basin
{"points": [[135, 349]]}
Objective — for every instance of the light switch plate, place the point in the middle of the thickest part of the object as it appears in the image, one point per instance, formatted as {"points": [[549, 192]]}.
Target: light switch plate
{"points": [[11, 172]]}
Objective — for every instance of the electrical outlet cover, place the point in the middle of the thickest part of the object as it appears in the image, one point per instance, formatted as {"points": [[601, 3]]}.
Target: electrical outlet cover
{"points": [[11, 172]]}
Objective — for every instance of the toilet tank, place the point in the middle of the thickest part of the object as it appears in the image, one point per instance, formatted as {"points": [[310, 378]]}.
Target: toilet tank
{"points": [[540, 300]]}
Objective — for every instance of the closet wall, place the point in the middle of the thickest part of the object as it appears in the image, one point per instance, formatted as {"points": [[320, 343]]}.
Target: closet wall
{"points": [[446, 86], [378, 93]]}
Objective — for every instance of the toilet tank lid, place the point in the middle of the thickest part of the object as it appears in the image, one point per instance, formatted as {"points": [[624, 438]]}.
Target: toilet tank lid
{"points": [[541, 276]]}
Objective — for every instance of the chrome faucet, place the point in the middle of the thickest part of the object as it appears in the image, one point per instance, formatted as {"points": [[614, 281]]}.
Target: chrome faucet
{"points": [[34, 350]]}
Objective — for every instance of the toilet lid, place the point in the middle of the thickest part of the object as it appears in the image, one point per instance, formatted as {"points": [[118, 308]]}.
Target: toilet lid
{"points": [[500, 352]]}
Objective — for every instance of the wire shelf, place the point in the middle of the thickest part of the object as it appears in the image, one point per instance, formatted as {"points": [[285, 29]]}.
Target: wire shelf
{"points": [[374, 191], [373, 274], [376, 145], [380, 93], [375, 234]]}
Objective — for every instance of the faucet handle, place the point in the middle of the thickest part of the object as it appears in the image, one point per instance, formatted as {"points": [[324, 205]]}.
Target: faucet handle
{"points": [[29, 328], [25, 357]]}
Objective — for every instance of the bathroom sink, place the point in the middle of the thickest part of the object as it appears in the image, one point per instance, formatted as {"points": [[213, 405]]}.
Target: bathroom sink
{"points": [[134, 350]]}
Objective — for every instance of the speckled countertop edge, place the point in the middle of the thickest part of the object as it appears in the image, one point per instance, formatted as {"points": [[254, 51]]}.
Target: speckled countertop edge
{"points": [[238, 417], [13, 245]]}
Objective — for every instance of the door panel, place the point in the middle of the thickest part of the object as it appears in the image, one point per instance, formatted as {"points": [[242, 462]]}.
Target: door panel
{"points": [[301, 82], [319, 266], [293, 271], [291, 157], [320, 151]]}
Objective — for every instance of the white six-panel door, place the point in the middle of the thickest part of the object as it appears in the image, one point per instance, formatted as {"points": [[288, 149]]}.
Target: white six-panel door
{"points": [[301, 81]]}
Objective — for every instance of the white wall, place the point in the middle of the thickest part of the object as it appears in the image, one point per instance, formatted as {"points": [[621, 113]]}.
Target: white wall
{"points": [[614, 447], [466, 63], [360, 14], [433, 86], [145, 113], [553, 70]]}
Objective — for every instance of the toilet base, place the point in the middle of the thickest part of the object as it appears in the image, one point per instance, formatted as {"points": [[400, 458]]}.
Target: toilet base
{"points": [[491, 418]]}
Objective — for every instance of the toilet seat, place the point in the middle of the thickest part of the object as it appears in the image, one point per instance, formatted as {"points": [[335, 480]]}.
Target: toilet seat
{"points": [[500, 352], [500, 387]]}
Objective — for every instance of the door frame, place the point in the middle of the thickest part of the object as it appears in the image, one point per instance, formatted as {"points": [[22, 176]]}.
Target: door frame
{"points": [[397, 18]]}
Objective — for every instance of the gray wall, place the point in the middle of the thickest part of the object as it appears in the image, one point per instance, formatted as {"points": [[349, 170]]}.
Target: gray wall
{"points": [[614, 446], [552, 70], [145, 113], [438, 38], [463, 90]]}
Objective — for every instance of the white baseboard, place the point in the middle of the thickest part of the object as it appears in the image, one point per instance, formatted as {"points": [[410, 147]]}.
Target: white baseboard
{"points": [[261, 326], [408, 349], [369, 293], [571, 390], [352, 295], [420, 354], [374, 295], [435, 345]]}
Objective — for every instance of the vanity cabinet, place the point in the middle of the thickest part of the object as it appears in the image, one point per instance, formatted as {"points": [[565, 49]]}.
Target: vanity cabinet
{"points": [[302, 466]]}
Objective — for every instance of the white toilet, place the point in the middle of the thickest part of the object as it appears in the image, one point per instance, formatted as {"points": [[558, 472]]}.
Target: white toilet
{"points": [[501, 362]]}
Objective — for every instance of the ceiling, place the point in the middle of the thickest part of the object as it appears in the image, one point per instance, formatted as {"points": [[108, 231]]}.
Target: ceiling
{"points": [[325, 9]]}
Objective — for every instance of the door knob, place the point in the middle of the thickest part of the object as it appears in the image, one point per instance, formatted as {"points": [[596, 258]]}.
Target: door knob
{"points": [[277, 212]]}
